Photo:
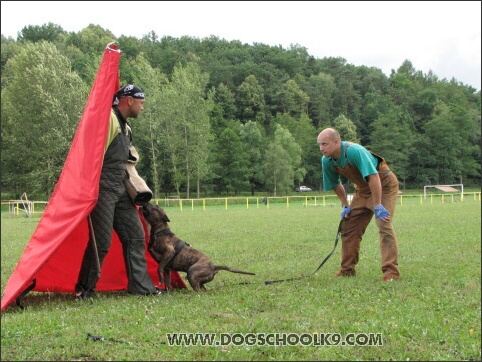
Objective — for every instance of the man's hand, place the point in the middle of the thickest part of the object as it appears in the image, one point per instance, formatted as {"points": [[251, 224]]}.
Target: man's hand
{"points": [[382, 213], [345, 213]]}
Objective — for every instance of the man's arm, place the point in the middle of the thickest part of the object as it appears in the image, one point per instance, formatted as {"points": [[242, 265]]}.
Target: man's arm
{"points": [[340, 192], [376, 189]]}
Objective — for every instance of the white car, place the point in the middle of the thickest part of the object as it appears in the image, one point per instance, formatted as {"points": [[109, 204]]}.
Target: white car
{"points": [[303, 189]]}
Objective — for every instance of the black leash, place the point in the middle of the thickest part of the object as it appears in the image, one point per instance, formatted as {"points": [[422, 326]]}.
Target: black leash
{"points": [[323, 262]]}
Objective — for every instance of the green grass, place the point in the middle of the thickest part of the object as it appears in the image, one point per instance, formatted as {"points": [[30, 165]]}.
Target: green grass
{"points": [[431, 313]]}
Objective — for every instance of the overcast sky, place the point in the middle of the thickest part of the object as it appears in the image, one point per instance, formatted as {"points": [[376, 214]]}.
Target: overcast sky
{"points": [[441, 36]]}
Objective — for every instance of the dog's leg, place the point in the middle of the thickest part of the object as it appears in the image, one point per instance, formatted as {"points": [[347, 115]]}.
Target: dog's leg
{"points": [[160, 272], [167, 275], [163, 260], [160, 269], [199, 274], [193, 282], [193, 278]]}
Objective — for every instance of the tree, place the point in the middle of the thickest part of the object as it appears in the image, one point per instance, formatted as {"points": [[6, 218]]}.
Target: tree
{"points": [[9, 49], [251, 135], [147, 133], [346, 128], [284, 138], [320, 89], [278, 169], [226, 100], [391, 137], [232, 163], [449, 128], [184, 114], [293, 99], [49, 32], [402, 89], [250, 97], [85, 50], [304, 134], [190, 85], [42, 102], [90, 40], [423, 107], [282, 162], [375, 104], [266, 84], [172, 136]]}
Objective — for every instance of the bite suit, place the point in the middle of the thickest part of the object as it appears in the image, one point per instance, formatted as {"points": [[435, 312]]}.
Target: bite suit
{"points": [[116, 211]]}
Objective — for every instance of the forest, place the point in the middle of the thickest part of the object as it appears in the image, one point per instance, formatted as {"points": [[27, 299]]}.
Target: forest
{"points": [[224, 118]]}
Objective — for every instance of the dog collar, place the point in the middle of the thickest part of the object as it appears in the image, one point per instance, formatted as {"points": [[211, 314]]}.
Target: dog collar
{"points": [[181, 244]]}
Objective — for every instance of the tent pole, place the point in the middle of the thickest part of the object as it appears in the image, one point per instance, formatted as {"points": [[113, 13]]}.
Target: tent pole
{"points": [[94, 245]]}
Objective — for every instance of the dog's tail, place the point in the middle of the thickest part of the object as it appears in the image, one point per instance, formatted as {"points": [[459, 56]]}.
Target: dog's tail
{"points": [[222, 267]]}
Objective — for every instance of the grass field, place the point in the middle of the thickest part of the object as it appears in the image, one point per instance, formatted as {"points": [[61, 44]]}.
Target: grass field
{"points": [[431, 313]]}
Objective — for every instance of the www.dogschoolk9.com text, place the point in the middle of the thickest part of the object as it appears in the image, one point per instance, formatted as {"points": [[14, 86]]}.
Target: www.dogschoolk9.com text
{"points": [[274, 339]]}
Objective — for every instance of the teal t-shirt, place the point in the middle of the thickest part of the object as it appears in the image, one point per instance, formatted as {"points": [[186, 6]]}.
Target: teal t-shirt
{"points": [[355, 155]]}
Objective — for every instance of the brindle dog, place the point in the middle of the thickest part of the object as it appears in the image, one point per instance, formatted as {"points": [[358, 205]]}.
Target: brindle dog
{"points": [[174, 254]]}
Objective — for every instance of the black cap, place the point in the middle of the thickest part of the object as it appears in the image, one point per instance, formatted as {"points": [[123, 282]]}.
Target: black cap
{"points": [[129, 90]]}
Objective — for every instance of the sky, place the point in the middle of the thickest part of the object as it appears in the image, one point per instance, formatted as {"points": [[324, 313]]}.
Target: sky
{"points": [[443, 37]]}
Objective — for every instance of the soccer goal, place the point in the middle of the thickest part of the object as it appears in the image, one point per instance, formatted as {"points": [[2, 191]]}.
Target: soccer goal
{"points": [[445, 188]]}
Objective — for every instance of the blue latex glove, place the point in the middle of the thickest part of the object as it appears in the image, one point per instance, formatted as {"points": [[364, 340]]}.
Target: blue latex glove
{"points": [[346, 211], [381, 212]]}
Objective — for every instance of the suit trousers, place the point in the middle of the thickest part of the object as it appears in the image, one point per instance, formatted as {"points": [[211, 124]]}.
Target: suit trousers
{"points": [[115, 211]]}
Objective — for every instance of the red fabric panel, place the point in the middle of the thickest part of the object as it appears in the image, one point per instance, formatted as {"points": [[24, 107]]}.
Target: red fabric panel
{"points": [[54, 252], [60, 274]]}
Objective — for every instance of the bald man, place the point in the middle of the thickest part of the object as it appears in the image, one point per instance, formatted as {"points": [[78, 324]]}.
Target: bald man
{"points": [[376, 194]]}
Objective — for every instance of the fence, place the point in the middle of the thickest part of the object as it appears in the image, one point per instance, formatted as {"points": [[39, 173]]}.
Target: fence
{"points": [[27, 207], [18, 207], [303, 201]]}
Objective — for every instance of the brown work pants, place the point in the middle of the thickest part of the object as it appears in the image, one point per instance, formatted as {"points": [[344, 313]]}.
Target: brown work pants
{"points": [[353, 228]]}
